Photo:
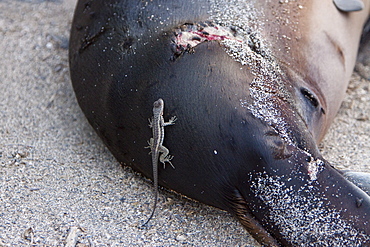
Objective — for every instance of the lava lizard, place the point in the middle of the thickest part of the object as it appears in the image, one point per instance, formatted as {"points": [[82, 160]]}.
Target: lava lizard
{"points": [[157, 124]]}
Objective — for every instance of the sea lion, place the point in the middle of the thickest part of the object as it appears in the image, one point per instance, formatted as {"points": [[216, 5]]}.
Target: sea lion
{"points": [[255, 86]]}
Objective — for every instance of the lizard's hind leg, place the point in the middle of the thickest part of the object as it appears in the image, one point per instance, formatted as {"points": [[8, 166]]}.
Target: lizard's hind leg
{"points": [[165, 156]]}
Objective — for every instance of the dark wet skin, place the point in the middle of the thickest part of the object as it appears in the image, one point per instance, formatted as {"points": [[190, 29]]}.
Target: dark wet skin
{"points": [[121, 62]]}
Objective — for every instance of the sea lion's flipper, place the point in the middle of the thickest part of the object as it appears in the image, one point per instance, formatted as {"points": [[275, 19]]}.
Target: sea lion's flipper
{"points": [[246, 218], [349, 5], [361, 179]]}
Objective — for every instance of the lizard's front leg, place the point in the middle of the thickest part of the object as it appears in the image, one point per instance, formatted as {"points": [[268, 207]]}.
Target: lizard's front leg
{"points": [[150, 143], [150, 122], [171, 121]]}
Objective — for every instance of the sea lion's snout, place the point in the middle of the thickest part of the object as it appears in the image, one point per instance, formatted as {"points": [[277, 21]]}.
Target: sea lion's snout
{"points": [[301, 200]]}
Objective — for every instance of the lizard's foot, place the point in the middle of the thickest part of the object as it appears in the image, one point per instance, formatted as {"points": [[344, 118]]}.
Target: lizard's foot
{"points": [[168, 159], [172, 120], [150, 122]]}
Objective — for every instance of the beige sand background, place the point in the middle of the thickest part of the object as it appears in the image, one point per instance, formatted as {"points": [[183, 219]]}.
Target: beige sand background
{"points": [[55, 174]]}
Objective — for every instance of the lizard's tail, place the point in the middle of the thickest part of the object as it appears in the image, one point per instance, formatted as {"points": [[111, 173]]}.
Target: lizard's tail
{"points": [[154, 206], [155, 183]]}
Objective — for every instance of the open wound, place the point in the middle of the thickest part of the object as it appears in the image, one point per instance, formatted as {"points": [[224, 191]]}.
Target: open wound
{"points": [[189, 35]]}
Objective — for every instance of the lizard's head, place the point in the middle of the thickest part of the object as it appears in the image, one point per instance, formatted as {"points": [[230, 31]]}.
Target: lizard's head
{"points": [[158, 104], [158, 107]]}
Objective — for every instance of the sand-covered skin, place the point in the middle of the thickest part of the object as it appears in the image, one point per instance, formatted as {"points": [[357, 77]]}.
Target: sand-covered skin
{"points": [[56, 174]]}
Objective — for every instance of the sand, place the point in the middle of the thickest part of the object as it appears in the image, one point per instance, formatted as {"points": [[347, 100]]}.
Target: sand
{"points": [[59, 184]]}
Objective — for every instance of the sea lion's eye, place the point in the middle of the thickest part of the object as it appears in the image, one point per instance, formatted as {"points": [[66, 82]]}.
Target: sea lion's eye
{"points": [[310, 96]]}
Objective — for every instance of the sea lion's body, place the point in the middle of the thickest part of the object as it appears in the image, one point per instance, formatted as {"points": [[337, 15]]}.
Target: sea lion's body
{"points": [[254, 86]]}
